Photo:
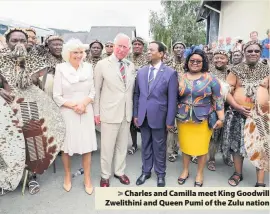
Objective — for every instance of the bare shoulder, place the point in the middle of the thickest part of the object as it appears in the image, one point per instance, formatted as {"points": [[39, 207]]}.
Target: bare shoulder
{"points": [[265, 82]]}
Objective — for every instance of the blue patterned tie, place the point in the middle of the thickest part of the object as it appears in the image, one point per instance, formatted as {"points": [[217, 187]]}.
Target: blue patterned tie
{"points": [[151, 78]]}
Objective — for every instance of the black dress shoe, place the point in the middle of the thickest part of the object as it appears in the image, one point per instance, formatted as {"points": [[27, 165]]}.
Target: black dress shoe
{"points": [[142, 179], [161, 182]]}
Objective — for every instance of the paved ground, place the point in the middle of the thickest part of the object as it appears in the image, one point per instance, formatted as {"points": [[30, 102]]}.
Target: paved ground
{"points": [[52, 199]]}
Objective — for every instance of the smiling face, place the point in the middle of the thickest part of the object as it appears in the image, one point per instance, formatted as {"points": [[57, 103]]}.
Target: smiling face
{"points": [[32, 40], [195, 63], [153, 53], [121, 48], [76, 56], [252, 54], [55, 47], [220, 61]]}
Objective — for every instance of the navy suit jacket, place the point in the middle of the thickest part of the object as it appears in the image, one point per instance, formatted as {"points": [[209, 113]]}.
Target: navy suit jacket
{"points": [[159, 104]]}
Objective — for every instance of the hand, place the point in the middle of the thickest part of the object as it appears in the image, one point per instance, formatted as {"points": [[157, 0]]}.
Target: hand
{"points": [[97, 120], [91, 101], [218, 125], [6, 95], [244, 111], [80, 108], [71, 105], [135, 120], [169, 127]]}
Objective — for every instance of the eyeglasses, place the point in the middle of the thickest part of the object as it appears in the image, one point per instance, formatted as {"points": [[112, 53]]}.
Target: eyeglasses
{"points": [[109, 46], [192, 61], [255, 51]]}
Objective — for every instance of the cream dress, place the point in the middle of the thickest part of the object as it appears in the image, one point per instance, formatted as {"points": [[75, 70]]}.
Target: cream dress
{"points": [[75, 85]]}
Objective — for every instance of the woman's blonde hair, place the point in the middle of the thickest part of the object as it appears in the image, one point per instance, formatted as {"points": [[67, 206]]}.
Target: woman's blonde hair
{"points": [[72, 45]]}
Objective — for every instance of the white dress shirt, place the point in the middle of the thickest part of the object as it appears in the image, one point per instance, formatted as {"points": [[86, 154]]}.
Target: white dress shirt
{"points": [[157, 66]]}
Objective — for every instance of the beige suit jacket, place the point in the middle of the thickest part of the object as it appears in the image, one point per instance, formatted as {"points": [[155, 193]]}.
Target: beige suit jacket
{"points": [[114, 99]]}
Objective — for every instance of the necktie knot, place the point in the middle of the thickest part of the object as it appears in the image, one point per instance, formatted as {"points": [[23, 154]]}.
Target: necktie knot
{"points": [[152, 68]]}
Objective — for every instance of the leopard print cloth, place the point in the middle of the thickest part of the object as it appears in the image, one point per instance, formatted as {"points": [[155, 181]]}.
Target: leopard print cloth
{"points": [[176, 65], [217, 136], [257, 133], [105, 55], [51, 61], [46, 81], [179, 68], [93, 61], [39, 51], [250, 77], [235, 123], [18, 75], [220, 74], [139, 61], [4, 51], [256, 138]]}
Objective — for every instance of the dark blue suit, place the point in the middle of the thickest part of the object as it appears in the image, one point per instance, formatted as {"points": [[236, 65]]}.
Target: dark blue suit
{"points": [[155, 109]]}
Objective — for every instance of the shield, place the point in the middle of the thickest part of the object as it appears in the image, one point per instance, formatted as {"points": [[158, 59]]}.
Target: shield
{"points": [[12, 148], [42, 125], [256, 138]]}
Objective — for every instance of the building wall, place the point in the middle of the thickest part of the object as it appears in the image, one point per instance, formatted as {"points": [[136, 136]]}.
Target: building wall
{"points": [[239, 18], [213, 27]]}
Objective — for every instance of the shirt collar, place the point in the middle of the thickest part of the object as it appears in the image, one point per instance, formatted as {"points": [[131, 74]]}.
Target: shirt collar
{"points": [[157, 66], [114, 58], [79, 68]]}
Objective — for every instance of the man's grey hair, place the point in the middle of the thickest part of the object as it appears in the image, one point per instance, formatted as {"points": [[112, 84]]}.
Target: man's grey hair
{"points": [[121, 36]]}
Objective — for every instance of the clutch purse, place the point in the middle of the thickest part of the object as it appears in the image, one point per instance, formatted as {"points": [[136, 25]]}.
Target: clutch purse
{"points": [[212, 119]]}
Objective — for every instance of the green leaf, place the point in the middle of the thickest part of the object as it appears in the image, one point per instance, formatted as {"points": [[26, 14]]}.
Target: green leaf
{"points": [[177, 22]]}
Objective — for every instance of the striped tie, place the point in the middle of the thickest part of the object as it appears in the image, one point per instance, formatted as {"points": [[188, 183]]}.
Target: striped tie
{"points": [[122, 70], [151, 78]]}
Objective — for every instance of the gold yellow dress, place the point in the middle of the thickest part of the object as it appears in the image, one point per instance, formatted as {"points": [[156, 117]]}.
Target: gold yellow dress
{"points": [[194, 105], [194, 138]]}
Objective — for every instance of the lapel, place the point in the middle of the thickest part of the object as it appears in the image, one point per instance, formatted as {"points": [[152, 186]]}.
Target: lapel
{"points": [[145, 78], [128, 74], [117, 71], [158, 76]]}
